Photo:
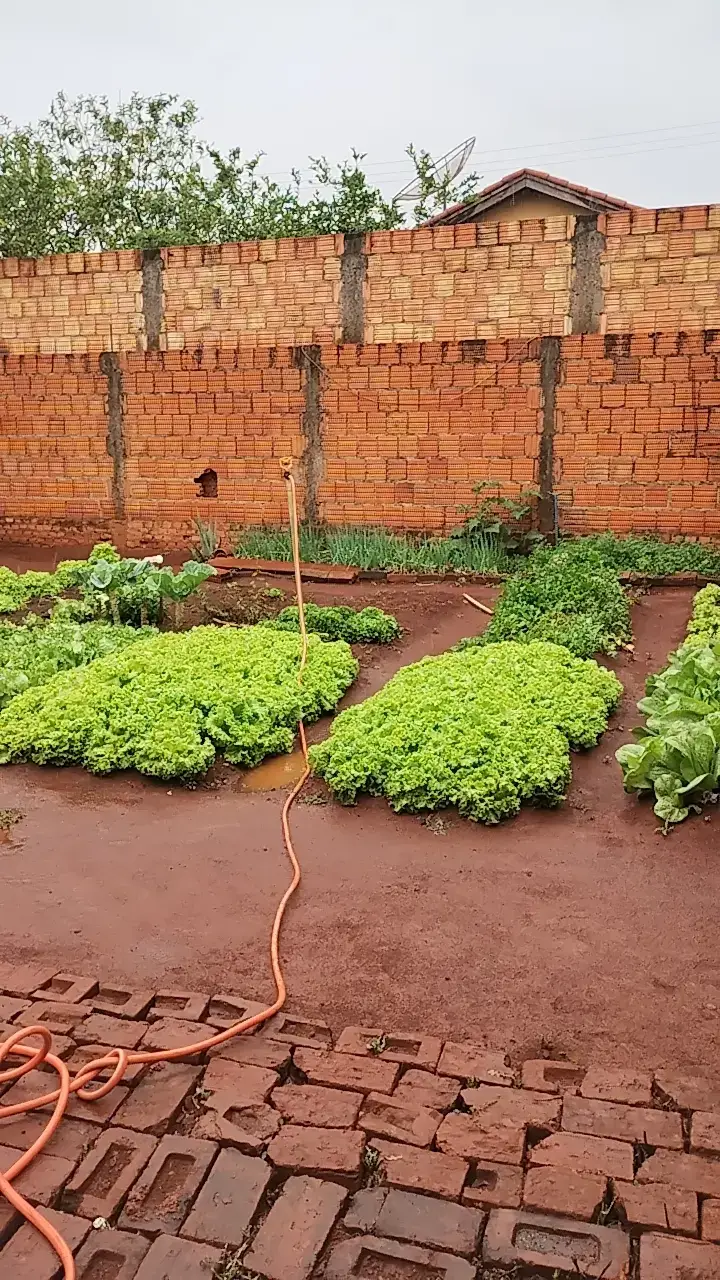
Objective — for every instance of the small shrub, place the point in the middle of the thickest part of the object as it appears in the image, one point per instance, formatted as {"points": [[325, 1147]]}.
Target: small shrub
{"points": [[339, 622]]}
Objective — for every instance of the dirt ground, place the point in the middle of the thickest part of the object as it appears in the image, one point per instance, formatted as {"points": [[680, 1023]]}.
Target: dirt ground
{"points": [[579, 931]]}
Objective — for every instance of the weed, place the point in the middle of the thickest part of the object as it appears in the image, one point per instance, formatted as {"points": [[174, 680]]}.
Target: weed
{"points": [[378, 1044], [8, 818], [374, 1168], [472, 1082], [230, 1266], [315, 797], [208, 539]]}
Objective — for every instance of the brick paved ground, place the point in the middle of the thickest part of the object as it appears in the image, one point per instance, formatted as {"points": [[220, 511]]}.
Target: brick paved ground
{"points": [[291, 1153]]}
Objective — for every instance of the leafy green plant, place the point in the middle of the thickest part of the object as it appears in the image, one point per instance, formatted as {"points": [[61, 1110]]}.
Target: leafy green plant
{"points": [[133, 590], [340, 622], [561, 595], [678, 753], [370, 548], [208, 539], [704, 625], [499, 517], [169, 703], [484, 729], [649, 556], [32, 654]]}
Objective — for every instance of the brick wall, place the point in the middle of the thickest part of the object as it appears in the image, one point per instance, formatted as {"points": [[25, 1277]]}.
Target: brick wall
{"points": [[71, 303]]}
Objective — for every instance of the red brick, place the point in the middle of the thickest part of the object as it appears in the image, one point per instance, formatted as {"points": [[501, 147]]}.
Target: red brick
{"points": [[10, 1006], [254, 1051], [101, 1028], [43, 1179], [161, 1197], [174, 1033], [154, 1102], [289, 1242], [345, 1071], [372, 1256], [667, 1258], [582, 1154], [23, 979], [122, 1001], [247, 1126], [387, 1118], [188, 1005], [494, 1186], [415, 1169], [173, 1259], [422, 1089], [515, 1238], [705, 1133], [690, 1093], [229, 1200], [710, 1216], [408, 1047], [28, 1256], [108, 1171], [114, 1254], [693, 1172], [251, 1084], [438, 1224], [473, 1138], [314, 1105], [513, 1107], [54, 1015], [655, 1205], [333, 1153], [70, 988], [632, 1087], [551, 1077], [629, 1124], [225, 1011], [299, 1032], [576, 1195], [471, 1062]]}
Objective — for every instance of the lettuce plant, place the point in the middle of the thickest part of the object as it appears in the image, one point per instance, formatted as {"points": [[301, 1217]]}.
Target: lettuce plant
{"points": [[33, 653], [340, 622], [486, 729]]}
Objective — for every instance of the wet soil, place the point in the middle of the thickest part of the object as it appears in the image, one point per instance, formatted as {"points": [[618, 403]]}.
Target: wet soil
{"points": [[580, 931]]}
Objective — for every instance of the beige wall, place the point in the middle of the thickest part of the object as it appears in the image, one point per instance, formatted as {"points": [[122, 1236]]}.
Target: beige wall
{"points": [[527, 204]]}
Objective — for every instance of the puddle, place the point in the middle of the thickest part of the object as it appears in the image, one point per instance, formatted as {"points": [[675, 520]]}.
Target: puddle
{"points": [[272, 774]]}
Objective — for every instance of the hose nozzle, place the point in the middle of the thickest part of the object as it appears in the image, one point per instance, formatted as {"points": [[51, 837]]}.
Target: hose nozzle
{"points": [[286, 466]]}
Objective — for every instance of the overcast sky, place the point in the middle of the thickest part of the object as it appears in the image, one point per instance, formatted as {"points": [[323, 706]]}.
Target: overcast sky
{"points": [[620, 95]]}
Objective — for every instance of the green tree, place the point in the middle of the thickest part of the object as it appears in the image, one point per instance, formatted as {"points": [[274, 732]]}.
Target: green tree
{"points": [[95, 176]]}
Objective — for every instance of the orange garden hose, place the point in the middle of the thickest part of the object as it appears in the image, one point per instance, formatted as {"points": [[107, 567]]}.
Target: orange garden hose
{"points": [[120, 1059]]}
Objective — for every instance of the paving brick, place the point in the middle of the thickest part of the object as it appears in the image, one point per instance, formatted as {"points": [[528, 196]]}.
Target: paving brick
{"points": [[122, 1001], [705, 1133], [677, 1169], [53, 1014], [10, 1006], [438, 1224], [710, 1220], [414, 1049], [290, 1240], [632, 1087], [247, 1126], [501, 1106], [551, 1076], [70, 988], [655, 1205], [103, 1028], [70, 1140], [102, 1110], [629, 1124], [107, 1173], [229, 1199], [23, 979], [689, 1092], [519, 1238], [313, 1104], [154, 1102], [187, 1005], [423, 1089], [172, 1259], [415, 1169], [41, 1182], [111, 1255], [473, 1138], [305, 1033], [576, 1195], [372, 1256], [28, 1256], [582, 1154], [335, 1153], [364, 1209], [667, 1258], [254, 1051], [493, 1186], [174, 1033], [471, 1062], [251, 1084], [161, 1197], [225, 1011], [387, 1118], [346, 1071]]}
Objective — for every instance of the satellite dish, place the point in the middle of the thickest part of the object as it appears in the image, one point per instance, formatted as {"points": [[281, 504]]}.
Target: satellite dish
{"points": [[444, 170]]}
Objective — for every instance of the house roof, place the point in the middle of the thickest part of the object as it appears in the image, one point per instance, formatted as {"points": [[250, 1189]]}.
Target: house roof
{"points": [[528, 180]]}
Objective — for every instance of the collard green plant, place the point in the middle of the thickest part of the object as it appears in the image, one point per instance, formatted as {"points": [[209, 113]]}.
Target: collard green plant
{"points": [[484, 729], [340, 622], [169, 704]]}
